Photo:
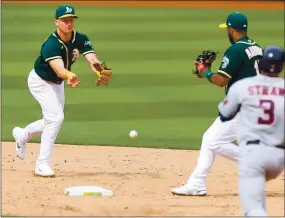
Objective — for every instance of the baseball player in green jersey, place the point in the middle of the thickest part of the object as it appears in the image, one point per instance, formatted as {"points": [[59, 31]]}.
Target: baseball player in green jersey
{"points": [[240, 60], [46, 83]]}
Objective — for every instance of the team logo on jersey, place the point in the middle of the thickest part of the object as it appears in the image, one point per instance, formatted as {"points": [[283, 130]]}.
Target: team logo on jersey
{"points": [[88, 43], [75, 54], [68, 10], [225, 62]]}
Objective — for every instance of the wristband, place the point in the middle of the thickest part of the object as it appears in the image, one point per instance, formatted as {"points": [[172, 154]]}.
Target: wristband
{"points": [[69, 74], [208, 74]]}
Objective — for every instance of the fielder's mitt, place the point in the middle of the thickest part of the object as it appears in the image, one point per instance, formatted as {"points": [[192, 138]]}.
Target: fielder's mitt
{"points": [[205, 59], [104, 73]]}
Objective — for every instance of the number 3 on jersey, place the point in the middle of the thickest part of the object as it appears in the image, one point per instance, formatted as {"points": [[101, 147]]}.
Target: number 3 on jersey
{"points": [[268, 109]]}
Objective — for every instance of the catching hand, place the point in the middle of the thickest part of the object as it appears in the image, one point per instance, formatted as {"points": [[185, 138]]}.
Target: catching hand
{"points": [[104, 73], [203, 62]]}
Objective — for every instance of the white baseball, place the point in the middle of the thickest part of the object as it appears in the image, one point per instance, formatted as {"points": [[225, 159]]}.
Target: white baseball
{"points": [[133, 134]]}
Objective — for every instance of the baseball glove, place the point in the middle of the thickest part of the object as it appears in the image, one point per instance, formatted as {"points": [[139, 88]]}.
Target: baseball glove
{"points": [[205, 59], [104, 73]]}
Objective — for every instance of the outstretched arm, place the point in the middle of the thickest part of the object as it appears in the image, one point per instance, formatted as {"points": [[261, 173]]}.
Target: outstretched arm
{"points": [[218, 79], [93, 59], [103, 73], [101, 70], [230, 63], [58, 66]]}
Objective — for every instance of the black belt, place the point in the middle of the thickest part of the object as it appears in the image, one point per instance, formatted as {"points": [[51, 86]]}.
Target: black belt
{"points": [[256, 142], [253, 142], [55, 82], [58, 82]]}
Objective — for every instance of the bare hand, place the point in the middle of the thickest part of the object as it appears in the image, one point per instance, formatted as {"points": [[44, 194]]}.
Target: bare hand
{"points": [[73, 81]]}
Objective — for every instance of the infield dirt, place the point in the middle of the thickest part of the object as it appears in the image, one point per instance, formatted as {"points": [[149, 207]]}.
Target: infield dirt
{"points": [[141, 178]]}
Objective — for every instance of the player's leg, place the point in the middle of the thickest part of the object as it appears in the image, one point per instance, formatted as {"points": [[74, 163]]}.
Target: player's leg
{"points": [[255, 164], [35, 128], [251, 185], [53, 118], [220, 139], [23, 135], [47, 96], [216, 140], [61, 95]]}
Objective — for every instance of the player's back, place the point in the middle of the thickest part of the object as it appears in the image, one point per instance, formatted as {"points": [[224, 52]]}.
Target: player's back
{"points": [[241, 60], [262, 110]]}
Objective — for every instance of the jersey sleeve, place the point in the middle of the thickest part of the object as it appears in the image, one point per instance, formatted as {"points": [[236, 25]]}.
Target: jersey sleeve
{"points": [[230, 63], [84, 44], [51, 50], [230, 106]]}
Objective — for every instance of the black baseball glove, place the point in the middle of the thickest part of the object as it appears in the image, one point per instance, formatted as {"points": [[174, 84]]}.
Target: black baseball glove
{"points": [[205, 59]]}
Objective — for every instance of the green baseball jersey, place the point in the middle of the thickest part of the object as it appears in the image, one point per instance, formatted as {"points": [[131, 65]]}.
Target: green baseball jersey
{"points": [[240, 60], [53, 48]]}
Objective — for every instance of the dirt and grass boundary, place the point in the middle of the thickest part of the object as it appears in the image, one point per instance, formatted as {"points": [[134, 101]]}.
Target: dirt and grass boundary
{"points": [[253, 5]]}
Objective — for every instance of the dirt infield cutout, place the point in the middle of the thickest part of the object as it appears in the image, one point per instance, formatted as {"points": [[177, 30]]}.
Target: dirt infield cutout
{"points": [[141, 179]]}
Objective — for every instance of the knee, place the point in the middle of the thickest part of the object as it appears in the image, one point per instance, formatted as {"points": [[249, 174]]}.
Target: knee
{"points": [[208, 140], [55, 119]]}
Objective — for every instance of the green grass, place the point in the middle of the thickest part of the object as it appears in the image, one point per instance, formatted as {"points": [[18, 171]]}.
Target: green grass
{"points": [[150, 51]]}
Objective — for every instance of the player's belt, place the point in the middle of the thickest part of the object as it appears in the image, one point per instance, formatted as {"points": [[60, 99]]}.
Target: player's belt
{"points": [[256, 142]]}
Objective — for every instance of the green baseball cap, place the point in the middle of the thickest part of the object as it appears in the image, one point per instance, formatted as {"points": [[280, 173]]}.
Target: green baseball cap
{"points": [[235, 20], [65, 11]]}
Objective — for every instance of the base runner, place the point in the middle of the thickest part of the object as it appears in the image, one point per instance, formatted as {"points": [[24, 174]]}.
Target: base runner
{"points": [[46, 83], [260, 129]]}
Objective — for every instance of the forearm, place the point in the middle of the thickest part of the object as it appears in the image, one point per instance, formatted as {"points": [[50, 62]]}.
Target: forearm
{"points": [[215, 78], [92, 59], [58, 67], [64, 74]]}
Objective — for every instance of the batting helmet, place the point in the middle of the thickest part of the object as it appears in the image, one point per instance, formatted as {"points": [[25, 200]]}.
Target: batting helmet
{"points": [[272, 60]]}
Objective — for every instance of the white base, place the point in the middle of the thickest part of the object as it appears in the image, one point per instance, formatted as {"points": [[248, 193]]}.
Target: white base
{"points": [[87, 191]]}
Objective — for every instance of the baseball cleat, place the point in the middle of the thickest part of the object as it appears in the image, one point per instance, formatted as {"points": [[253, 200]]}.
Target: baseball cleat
{"points": [[20, 137], [44, 170], [188, 190]]}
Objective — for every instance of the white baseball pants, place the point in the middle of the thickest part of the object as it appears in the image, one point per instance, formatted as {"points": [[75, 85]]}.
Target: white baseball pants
{"points": [[51, 99], [218, 139], [257, 164]]}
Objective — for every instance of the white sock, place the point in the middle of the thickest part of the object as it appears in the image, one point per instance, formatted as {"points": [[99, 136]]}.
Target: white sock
{"points": [[36, 128]]}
